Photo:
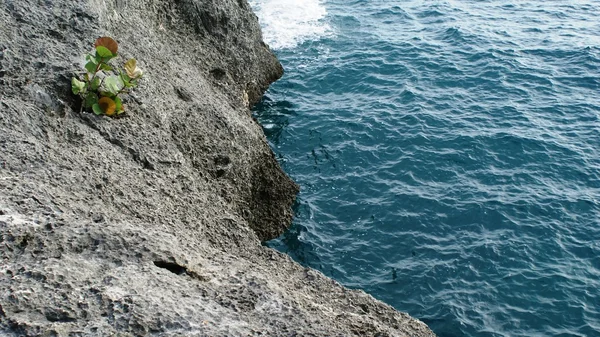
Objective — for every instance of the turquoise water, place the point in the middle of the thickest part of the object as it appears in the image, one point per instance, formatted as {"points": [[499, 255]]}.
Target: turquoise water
{"points": [[448, 156]]}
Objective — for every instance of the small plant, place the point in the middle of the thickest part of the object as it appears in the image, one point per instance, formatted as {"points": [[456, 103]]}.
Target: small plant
{"points": [[102, 84]]}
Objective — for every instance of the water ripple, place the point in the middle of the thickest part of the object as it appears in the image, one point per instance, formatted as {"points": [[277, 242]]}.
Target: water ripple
{"points": [[448, 154]]}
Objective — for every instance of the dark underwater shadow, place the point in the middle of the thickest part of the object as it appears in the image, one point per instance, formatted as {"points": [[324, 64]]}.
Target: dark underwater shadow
{"points": [[273, 116], [291, 243]]}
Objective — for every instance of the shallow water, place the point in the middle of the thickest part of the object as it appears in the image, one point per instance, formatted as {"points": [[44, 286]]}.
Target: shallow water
{"points": [[447, 153]]}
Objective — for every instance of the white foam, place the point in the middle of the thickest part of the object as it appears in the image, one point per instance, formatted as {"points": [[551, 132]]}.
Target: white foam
{"points": [[288, 23]]}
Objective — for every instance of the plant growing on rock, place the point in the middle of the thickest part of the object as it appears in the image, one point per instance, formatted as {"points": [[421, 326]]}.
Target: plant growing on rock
{"points": [[102, 84]]}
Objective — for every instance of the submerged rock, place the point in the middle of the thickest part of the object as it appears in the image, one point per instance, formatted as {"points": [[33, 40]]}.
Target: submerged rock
{"points": [[152, 223]]}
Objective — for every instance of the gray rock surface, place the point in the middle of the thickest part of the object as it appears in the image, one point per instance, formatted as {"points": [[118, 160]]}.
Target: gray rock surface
{"points": [[152, 224]]}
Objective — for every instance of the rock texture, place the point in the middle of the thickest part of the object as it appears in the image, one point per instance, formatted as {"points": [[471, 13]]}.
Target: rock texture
{"points": [[151, 224]]}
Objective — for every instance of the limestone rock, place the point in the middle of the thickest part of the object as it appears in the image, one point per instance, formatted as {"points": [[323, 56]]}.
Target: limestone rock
{"points": [[152, 224]]}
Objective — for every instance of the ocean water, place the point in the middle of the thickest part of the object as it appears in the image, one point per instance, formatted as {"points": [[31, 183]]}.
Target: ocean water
{"points": [[448, 156]]}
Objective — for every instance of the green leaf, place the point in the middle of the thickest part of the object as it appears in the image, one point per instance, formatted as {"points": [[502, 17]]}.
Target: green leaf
{"points": [[90, 99], [91, 58], [126, 80], [97, 109], [125, 77], [103, 52], [113, 84], [95, 84], [119, 104], [91, 67], [77, 86], [105, 67]]}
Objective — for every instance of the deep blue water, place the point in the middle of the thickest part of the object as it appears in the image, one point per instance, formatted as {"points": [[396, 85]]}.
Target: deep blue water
{"points": [[448, 156]]}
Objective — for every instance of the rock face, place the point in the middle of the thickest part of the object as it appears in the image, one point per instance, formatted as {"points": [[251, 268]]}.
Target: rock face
{"points": [[152, 223]]}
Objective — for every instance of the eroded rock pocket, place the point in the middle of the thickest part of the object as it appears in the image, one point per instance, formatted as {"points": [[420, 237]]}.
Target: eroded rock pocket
{"points": [[172, 267], [179, 270]]}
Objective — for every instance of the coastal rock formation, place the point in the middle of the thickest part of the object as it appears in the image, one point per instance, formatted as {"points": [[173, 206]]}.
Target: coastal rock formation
{"points": [[152, 223]]}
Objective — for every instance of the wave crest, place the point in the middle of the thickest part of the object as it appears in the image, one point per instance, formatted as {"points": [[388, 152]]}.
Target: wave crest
{"points": [[289, 23]]}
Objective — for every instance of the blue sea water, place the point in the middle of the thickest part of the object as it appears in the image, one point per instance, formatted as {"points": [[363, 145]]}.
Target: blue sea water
{"points": [[448, 156]]}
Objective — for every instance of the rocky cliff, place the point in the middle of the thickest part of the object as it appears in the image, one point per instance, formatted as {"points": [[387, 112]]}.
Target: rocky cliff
{"points": [[152, 224]]}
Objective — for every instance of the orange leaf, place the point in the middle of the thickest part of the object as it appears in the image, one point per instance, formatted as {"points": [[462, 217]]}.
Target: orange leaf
{"points": [[107, 43], [107, 105]]}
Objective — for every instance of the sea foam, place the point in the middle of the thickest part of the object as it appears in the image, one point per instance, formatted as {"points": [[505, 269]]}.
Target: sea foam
{"points": [[289, 23]]}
